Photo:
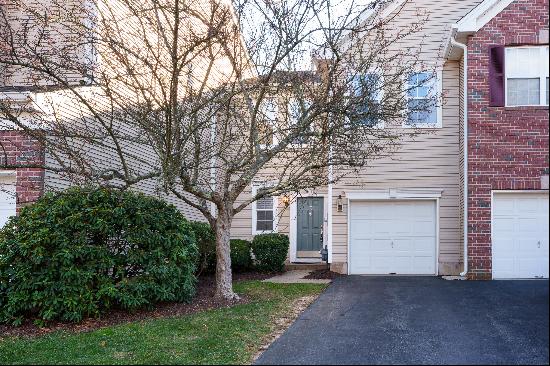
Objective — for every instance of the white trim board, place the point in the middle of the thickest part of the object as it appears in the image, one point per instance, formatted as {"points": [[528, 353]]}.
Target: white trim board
{"points": [[394, 193], [471, 23], [481, 15]]}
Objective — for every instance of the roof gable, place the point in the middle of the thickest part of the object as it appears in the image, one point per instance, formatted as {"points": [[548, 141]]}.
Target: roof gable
{"points": [[481, 15]]}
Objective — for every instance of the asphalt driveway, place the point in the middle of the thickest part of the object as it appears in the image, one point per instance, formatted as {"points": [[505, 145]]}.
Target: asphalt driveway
{"points": [[419, 320]]}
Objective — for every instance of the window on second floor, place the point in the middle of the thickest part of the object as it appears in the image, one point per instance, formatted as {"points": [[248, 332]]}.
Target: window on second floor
{"points": [[526, 76], [297, 111], [422, 110], [268, 122], [368, 90]]}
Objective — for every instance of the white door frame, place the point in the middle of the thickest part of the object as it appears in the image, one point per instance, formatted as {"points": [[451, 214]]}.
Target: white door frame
{"points": [[293, 234], [395, 195], [508, 191]]}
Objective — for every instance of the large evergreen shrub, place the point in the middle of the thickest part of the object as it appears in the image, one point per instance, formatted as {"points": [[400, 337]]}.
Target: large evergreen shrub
{"points": [[84, 251]]}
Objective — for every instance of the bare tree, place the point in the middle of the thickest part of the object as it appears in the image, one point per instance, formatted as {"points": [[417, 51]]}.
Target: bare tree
{"points": [[204, 97]]}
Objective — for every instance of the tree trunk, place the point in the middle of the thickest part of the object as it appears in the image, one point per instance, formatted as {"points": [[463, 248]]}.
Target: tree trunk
{"points": [[224, 278]]}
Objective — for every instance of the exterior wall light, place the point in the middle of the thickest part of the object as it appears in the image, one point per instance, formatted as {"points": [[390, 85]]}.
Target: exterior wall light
{"points": [[339, 204], [286, 200]]}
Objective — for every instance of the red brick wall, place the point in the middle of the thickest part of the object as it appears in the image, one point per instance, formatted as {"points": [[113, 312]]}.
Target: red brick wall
{"points": [[18, 149], [508, 146]]}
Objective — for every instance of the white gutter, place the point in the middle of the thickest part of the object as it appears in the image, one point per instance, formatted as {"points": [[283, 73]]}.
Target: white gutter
{"points": [[465, 141]]}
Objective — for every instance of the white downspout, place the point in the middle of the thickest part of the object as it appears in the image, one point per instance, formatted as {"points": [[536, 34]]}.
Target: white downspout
{"points": [[465, 143], [329, 208], [213, 127]]}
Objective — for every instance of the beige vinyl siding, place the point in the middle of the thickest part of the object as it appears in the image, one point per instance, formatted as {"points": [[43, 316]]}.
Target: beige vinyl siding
{"points": [[242, 222], [142, 157], [432, 160]]}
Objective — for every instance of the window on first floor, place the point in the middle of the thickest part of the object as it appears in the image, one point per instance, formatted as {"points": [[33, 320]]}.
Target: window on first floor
{"points": [[264, 213]]}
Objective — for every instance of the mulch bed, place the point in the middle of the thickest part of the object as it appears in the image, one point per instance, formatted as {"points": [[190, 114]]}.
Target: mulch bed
{"points": [[204, 300], [322, 274]]}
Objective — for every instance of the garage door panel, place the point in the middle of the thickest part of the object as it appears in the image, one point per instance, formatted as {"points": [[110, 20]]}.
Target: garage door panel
{"points": [[503, 246], [379, 245], [423, 228], [380, 228], [504, 225], [528, 267], [424, 245], [527, 205], [403, 245], [504, 207], [503, 267], [402, 229], [399, 237], [520, 235], [528, 225], [424, 265]]}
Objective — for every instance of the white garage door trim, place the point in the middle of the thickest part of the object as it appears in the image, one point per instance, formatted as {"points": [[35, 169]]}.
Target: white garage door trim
{"points": [[362, 197], [505, 192]]}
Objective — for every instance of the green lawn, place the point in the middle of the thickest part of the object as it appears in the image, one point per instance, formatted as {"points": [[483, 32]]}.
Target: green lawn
{"points": [[222, 336]]}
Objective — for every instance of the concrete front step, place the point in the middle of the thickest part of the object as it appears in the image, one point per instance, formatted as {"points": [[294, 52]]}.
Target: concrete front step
{"points": [[305, 266]]}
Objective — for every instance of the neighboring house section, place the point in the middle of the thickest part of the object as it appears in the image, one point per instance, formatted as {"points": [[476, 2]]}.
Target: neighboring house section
{"points": [[507, 114], [22, 185], [35, 99]]}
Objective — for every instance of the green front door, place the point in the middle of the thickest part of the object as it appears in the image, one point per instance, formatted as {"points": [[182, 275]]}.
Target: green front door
{"points": [[310, 223]]}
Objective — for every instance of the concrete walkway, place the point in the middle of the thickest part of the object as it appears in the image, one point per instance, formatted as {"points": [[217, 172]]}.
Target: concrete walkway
{"points": [[419, 320], [296, 276]]}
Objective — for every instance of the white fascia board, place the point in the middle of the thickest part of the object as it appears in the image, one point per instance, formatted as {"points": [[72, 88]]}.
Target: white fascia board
{"points": [[471, 23], [398, 193], [481, 15]]}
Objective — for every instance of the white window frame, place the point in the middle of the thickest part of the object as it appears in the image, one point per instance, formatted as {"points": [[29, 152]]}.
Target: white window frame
{"points": [[274, 123], [255, 188], [288, 115], [379, 124], [542, 75], [438, 89]]}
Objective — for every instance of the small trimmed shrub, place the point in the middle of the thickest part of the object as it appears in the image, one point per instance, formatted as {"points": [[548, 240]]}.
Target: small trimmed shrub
{"points": [[241, 256], [270, 251], [84, 251], [206, 242]]}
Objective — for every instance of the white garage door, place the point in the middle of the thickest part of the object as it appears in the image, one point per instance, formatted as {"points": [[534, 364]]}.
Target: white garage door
{"points": [[397, 237], [520, 235], [7, 198]]}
